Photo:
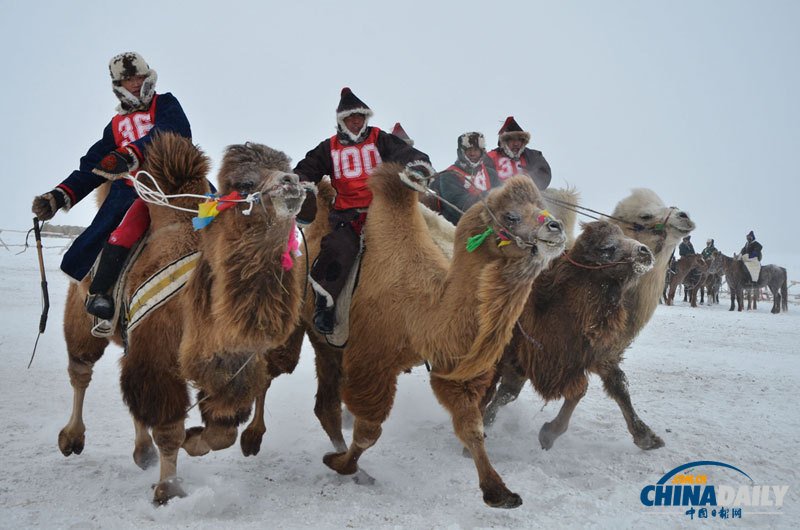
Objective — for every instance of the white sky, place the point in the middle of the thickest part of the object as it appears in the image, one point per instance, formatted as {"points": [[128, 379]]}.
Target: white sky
{"points": [[696, 100]]}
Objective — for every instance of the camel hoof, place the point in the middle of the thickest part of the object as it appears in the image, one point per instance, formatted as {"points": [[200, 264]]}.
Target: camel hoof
{"points": [[70, 444], [167, 489], [547, 436], [145, 456], [193, 444], [340, 463], [250, 441], [649, 441], [501, 498]]}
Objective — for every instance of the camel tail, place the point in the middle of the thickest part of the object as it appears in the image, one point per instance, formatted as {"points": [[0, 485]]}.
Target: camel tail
{"points": [[175, 163]]}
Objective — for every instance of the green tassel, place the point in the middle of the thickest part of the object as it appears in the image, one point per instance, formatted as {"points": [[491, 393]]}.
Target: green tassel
{"points": [[475, 241]]}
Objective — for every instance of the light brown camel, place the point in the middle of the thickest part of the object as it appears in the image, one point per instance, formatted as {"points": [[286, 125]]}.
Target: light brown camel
{"points": [[152, 384], [683, 267], [412, 305], [643, 217]]}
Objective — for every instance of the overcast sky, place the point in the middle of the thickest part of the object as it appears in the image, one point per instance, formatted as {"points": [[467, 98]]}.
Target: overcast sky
{"points": [[697, 99]]}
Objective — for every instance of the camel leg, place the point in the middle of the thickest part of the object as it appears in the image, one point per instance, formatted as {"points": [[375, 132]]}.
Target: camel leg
{"points": [[168, 438], [251, 437], [328, 404], [551, 430], [615, 384], [462, 399], [511, 384], [218, 432], [365, 434], [144, 453]]}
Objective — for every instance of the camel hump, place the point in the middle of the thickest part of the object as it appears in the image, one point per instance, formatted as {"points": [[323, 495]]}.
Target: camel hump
{"points": [[385, 182], [174, 162]]}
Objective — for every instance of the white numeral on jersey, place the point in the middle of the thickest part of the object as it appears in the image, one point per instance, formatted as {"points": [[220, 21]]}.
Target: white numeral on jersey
{"points": [[132, 130], [352, 162]]}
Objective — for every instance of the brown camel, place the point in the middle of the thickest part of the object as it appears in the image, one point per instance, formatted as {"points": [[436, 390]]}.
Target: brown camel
{"points": [[643, 217], [152, 384], [683, 267], [573, 319], [412, 306]]}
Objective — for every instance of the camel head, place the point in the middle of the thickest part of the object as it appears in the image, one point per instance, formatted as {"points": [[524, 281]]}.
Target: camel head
{"points": [[603, 244], [255, 168], [643, 216], [519, 221]]}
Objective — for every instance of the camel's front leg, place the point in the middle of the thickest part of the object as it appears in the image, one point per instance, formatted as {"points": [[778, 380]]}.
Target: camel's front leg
{"points": [[616, 385], [71, 438], [168, 438], [462, 400], [144, 453], [251, 437], [365, 434], [551, 430]]}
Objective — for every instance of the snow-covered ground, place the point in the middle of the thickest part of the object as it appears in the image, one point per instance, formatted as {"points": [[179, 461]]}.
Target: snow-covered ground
{"points": [[714, 385]]}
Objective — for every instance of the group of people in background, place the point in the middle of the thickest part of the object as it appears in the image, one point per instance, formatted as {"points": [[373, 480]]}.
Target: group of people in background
{"points": [[349, 157], [750, 255]]}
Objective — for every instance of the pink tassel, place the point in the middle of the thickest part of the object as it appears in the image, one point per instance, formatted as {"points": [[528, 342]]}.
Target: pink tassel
{"points": [[291, 246]]}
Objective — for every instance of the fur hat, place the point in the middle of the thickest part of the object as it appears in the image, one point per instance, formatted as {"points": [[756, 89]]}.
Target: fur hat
{"points": [[349, 104], [124, 66], [466, 141], [751, 235], [511, 129], [687, 238], [709, 241], [401, 133]]}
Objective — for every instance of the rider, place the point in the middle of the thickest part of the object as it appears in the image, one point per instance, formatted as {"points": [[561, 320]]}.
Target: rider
{"points": [[752, 249], [349, 157], [469, 178], [709, 250], [512, 157], [686, 248], [120, 151]]}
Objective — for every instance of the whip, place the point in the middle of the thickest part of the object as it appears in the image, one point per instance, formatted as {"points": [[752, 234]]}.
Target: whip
{"points": [[45, 296]]}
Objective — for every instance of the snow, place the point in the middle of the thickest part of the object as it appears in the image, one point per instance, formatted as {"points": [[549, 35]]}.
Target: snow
{"points": [[714, 385]]}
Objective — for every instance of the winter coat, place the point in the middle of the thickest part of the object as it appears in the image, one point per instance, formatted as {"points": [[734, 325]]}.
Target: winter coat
{"points": [[453, 185], [686, 249], [167, 116], [752, 249], [531, 162], [352, 192], [708, 251]]}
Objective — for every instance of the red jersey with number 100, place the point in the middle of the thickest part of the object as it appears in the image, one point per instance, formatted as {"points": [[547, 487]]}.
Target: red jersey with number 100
{"points": [[506, 167], [352, 166]]}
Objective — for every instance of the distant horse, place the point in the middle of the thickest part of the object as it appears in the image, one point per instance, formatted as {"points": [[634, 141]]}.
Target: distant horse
{"points": [[668, 278], [772, 276], [711, 283], [682, 269]]}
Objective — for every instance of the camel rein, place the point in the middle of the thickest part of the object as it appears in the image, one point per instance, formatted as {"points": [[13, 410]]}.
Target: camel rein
{"points": [[656, 227], [595, 267]]}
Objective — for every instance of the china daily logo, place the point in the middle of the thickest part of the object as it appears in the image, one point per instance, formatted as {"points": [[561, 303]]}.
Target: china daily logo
{"points": [[736, 493]]}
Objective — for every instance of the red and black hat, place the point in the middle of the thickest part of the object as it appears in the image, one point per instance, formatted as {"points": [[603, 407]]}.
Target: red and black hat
{"points": [[401, 133], [350, 104]]}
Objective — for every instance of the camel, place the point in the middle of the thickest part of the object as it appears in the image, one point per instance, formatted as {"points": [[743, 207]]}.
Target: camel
{"points": [[738, 278], [683, 269], [572, 321], [253, 316], [412, 305], [641, 216]]}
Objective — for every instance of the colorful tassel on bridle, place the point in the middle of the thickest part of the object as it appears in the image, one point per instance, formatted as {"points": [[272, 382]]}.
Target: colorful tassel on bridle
{"points": [[207, 211], [292, 248], [475, 241]]}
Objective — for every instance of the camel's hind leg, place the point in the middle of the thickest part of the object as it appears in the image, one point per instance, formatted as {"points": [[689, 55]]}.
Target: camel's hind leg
{"points": [[250, 440], [144, 453], [511, 383], [169, 438], [462, 399], [551, 430], [328, 405], [616, 385], [84, 350]]}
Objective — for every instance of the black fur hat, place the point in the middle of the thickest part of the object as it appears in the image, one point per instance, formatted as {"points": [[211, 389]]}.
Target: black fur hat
{"points": [[467, 140], [349, 104], [511, 129]]}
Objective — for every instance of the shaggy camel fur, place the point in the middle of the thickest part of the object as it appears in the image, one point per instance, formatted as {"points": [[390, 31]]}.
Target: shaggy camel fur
{"points": [[643, 217], [411, 306], [152, 383], [573, 318], [683, 267]]}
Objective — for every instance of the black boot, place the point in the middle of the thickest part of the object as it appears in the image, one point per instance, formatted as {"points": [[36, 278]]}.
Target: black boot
{"points": [[99, 302], [324, 317]]}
